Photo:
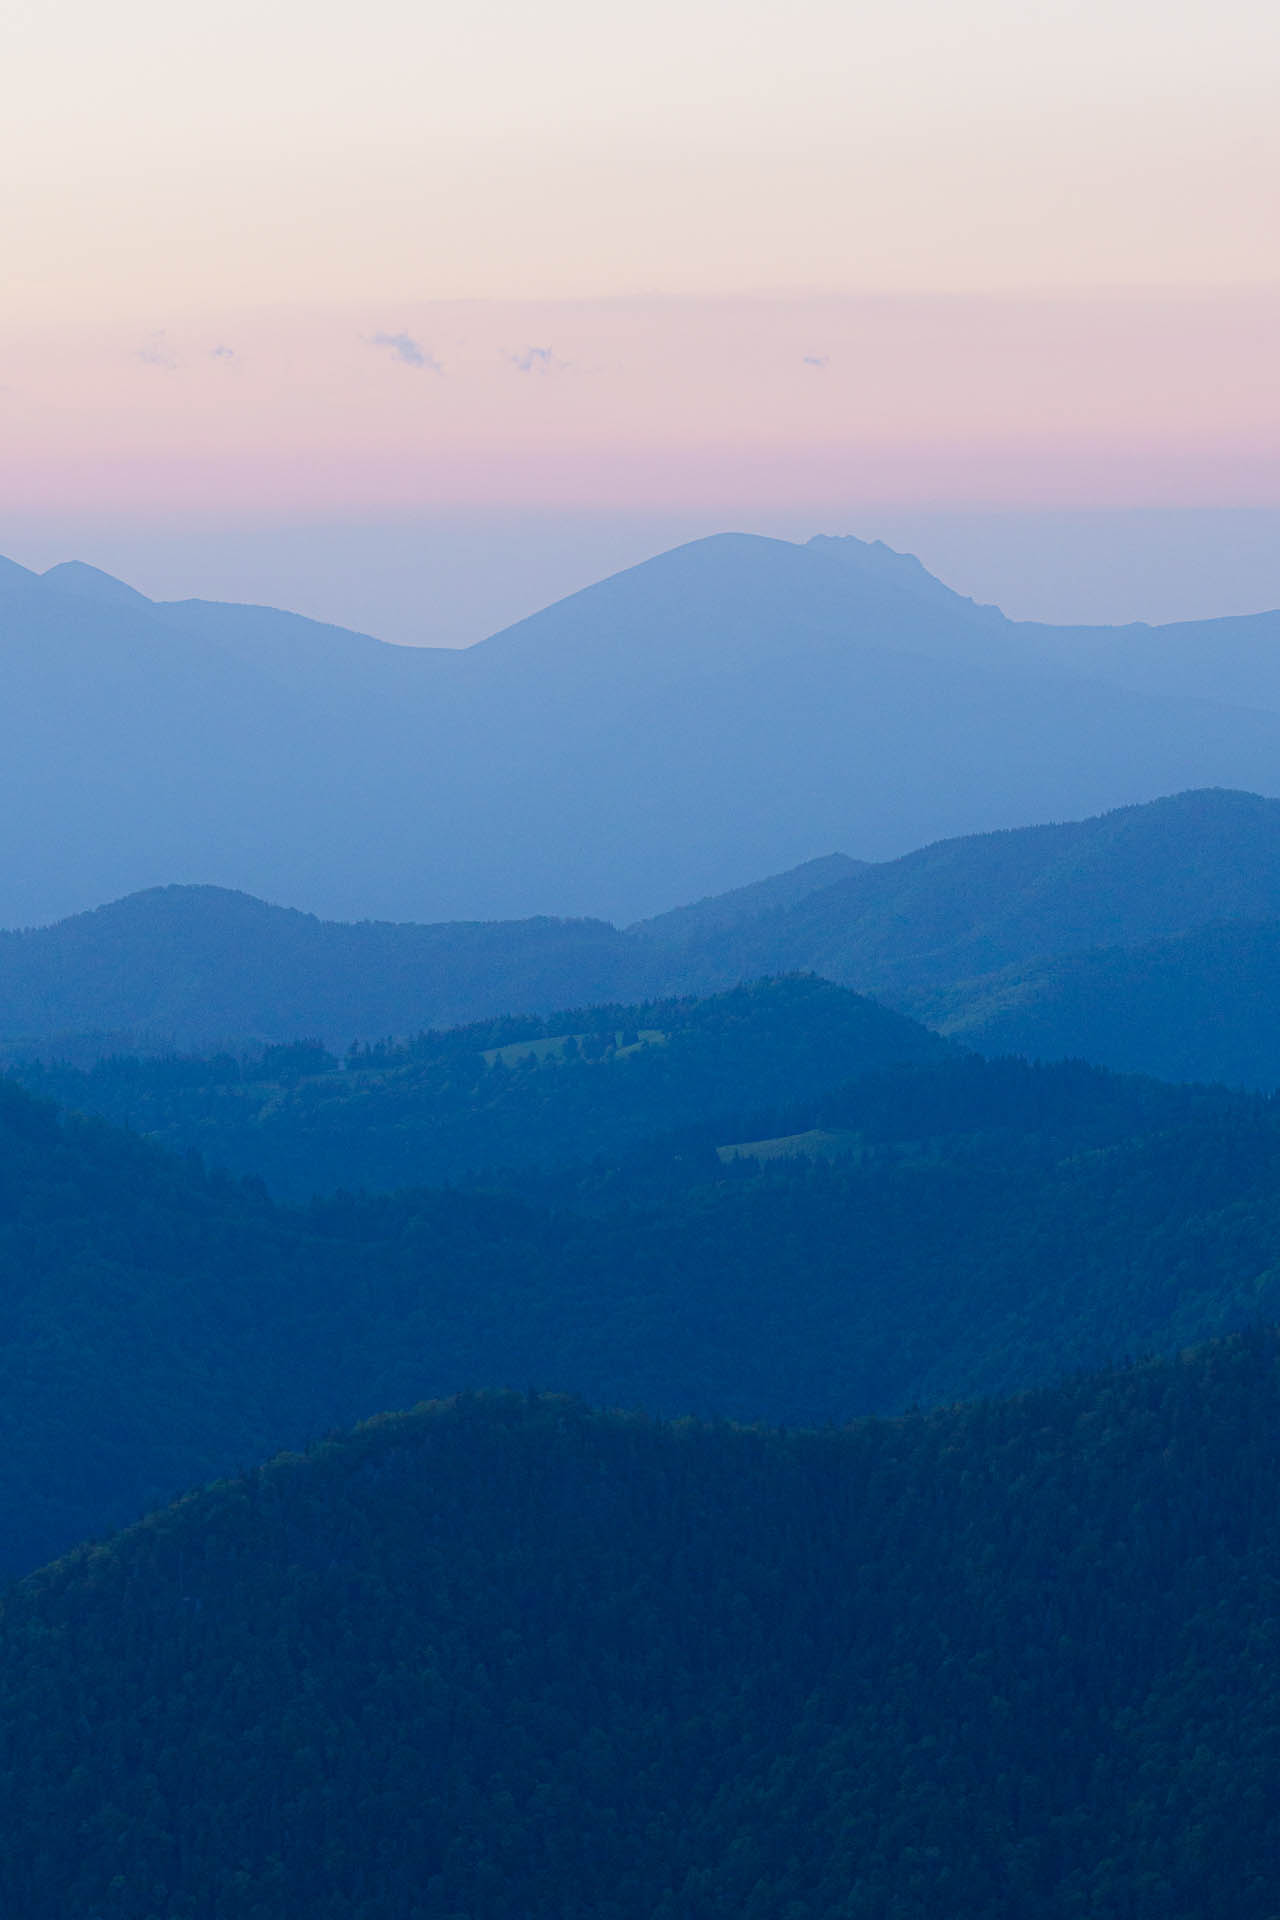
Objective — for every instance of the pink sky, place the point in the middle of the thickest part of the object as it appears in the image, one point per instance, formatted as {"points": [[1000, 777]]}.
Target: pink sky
{"points": [[308, 259], [1132, 397]]}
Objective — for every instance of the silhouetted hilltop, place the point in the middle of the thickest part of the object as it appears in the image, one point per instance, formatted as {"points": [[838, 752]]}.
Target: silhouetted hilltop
{"points": [[189, 966], [91, 583], [736, 599], [507, 1656]]}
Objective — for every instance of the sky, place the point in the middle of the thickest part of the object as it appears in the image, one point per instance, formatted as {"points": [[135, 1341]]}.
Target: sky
{"points": [[313, 266]]}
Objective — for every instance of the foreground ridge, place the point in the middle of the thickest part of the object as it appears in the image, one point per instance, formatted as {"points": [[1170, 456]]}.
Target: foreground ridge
{"points": [[507, 1655]]}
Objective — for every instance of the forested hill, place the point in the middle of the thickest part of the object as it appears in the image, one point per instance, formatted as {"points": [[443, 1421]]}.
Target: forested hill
{"points": [[685, 926], [507, 1656], [1204, 1005], [923, 1233], [502, 1094], [200, 966], [966, 907]]}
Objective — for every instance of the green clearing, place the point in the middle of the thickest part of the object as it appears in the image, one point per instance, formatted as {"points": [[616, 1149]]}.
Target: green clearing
{"points": [[789, 1146], [557, 1047]]}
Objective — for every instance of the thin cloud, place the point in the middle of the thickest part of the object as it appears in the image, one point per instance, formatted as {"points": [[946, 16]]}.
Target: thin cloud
{"points": [[818, 360], [157, 353], [408, 351], [537, 360], [223, 353]]}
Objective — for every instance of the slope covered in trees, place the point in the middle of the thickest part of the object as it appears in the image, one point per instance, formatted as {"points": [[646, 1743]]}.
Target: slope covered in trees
{"points": [[507, 1093], [1202, 1006], [507, 1656], [922, 1233], [966, 907]]}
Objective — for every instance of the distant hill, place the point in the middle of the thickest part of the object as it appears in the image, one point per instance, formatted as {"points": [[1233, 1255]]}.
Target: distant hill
{"points": [[966, 907], [1200, 1006], [507, 1656], [678, 730], [195, 966]]}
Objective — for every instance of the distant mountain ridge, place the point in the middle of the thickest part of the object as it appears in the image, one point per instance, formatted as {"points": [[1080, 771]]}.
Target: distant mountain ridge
{"points": [[680, 729], [966, 907]]}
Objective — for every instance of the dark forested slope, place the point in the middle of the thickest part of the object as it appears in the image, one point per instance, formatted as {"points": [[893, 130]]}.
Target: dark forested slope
{"points": [[1202, 1006], [506, 1093], [923, 1233], [1011, 1662]]}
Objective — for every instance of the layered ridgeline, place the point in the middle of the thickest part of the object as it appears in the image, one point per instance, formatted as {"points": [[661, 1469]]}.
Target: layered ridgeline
{"points": [[188, 968], [946, 1227], [721, 712], [510, 1657]]}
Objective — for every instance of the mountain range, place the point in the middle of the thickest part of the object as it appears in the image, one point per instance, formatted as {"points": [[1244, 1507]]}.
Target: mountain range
{"points": [[723, 711], [939, 1575]]}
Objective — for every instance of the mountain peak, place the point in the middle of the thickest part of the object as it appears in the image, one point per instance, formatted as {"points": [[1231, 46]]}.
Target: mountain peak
{"points": [[91, 583], [731, 599], [874, 560]]}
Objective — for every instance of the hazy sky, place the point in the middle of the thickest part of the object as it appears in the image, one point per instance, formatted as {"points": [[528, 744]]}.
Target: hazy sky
{"points": [[321, 260]]}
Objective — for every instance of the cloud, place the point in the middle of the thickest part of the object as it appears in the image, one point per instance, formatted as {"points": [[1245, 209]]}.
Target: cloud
{"points": [[537, 360], [408, 351], [222, 353], [157, 353], [818, 360]]}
